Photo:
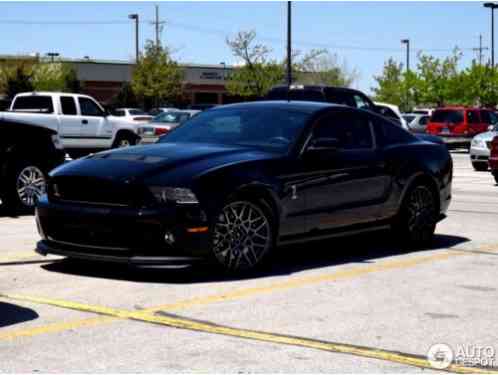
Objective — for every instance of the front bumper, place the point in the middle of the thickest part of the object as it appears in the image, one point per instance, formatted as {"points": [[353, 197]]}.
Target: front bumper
{"points": [[455, 141], [479, 155], [152, 236]]}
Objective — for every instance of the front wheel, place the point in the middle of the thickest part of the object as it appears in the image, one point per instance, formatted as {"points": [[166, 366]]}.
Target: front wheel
{"points": [[480, 167], [25, 184], [416, 221], [242, 235]]}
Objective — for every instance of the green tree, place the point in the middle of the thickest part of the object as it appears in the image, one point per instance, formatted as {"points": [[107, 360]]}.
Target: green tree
{"points": [[439, 79], [390, 87], [17, 80], [54, 76], [322, 67], [479, 83], [258, 73], [157, 77], [125, 98]]}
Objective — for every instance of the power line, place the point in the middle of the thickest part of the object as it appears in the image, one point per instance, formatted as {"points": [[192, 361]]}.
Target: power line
{"points": [[223, 34]]}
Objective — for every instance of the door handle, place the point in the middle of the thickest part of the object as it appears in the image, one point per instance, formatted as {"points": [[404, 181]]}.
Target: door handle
{"points": [[84, 122]]}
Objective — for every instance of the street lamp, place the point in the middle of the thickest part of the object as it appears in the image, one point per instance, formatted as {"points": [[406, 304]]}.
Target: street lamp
{"points": [[135, 17], [52, 55], [407, 42], [492, 6], [224, 64]]}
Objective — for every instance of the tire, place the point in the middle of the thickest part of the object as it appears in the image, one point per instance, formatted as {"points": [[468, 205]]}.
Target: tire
{"points": [[416, 221], [125, 140], [243, 235], [496, 178], [25, 184], [480, 167]]}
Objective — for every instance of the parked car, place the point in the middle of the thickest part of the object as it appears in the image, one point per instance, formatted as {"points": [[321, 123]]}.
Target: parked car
{"points": [[162, 124], [132, 114], [493, 158], [480, 148], [391, 111], [157, 111], [27, 153], [82, 124], [416, 122], [235, 181], [319, 93], [458, 125]]}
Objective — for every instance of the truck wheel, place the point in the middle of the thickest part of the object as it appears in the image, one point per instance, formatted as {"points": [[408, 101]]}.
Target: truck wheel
{"points": [[125, 140], [25, 184], [480, 167]]}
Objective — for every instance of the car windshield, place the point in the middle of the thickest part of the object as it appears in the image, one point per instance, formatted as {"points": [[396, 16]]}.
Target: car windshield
{"points": [[136, 112], [271, 129], [451, 116], [168, 117], [408, 118]]}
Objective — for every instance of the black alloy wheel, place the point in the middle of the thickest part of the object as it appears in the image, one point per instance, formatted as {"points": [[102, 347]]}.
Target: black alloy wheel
{"points": [[242, 235], [418, 216]]}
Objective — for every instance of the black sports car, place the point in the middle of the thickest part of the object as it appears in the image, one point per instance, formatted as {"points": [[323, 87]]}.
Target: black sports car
{"points": [[235, 181]]}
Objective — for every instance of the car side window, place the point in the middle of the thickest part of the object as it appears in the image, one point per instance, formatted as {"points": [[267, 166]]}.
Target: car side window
{"points": [[352, 130], [68, 105], [423, 120], [118, 113], [89, 108], [361, 102], [493, 118], [472, 117]]}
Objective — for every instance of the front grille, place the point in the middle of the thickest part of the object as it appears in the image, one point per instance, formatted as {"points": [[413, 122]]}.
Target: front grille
{"points": [[89, 190]]}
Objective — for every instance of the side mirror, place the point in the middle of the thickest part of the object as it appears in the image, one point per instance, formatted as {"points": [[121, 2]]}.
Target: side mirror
{"points": [[324, 144]]}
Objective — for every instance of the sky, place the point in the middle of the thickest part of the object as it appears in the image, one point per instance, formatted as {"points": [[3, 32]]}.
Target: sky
{"points": [[362, 34]]}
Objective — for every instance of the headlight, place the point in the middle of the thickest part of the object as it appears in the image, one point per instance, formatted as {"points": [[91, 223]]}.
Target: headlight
{"points": [[478, 143], [57, 142], [175, 195]]}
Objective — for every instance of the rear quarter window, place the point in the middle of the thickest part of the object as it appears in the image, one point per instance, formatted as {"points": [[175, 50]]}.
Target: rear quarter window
{"points": [[388, 133]]}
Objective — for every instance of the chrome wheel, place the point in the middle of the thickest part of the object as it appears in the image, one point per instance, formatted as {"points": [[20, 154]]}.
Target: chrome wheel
{"points": [[242, 236], [30, 185], [421, 213]]}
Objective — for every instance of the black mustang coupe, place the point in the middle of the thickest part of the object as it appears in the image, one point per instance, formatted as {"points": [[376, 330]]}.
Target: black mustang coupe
{"points": [[235, 181]]}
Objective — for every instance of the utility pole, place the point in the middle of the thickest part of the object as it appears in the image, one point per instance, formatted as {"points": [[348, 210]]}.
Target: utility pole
{"points": [[289, 43], [158, 26], [479, 50]]}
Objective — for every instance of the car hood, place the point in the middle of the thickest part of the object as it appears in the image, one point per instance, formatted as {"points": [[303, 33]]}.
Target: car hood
{"points": [[140, 162], [487, 136]]}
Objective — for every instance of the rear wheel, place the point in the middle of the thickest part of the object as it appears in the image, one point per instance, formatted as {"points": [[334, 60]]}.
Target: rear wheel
{"points": [[243, 235], [25, 184], [481, 167], [125, 140], [416, 222], [496, 178]]}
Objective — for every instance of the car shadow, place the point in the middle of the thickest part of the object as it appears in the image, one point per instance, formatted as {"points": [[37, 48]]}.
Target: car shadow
{"points": [[365, 248], [12, 314]]}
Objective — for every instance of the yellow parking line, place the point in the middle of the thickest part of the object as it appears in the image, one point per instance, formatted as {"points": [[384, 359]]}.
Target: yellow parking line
{"points": [[248, 292], [193, 325]]}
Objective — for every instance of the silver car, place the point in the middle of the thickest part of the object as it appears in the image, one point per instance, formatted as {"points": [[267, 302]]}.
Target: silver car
{"points": [[162, 124], [480, 148]]}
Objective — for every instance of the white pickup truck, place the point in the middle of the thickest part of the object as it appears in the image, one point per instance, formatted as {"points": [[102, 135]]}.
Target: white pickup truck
{"points": [[82, 124]]}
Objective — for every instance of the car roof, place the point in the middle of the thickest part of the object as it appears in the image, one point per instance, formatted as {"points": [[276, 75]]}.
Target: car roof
{"points": [[295, 105], [298, 86]]}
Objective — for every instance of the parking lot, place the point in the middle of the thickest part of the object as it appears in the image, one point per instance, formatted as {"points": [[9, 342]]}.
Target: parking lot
{"points": [[359, 304]]}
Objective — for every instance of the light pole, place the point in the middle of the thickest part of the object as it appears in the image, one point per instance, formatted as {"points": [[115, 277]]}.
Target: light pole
{"points": [[492, 6], [407, 42], [135, 17], [52, 55], [289, 43], [224, 64]]}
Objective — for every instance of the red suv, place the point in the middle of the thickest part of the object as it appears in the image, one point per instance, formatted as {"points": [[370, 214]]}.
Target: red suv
{"points": [[493, 158], [458, 125]]}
